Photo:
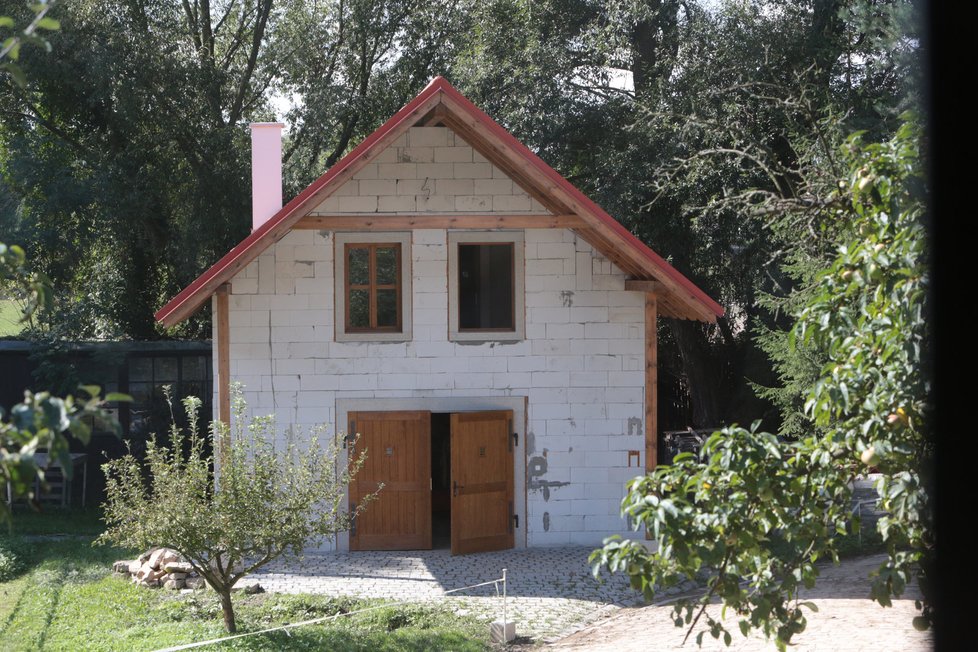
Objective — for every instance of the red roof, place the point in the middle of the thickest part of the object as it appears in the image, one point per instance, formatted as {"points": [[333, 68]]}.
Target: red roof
{"points": [[614, 238]]}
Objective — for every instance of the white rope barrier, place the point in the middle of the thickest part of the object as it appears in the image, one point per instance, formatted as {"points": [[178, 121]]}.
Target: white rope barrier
{"points": [[315, 621]]}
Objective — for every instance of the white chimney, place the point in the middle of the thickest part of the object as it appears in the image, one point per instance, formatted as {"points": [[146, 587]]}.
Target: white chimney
{"points": [[266, 171]]}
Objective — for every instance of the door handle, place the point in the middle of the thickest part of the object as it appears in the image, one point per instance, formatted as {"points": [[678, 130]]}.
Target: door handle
{"points": [[455, 487]]}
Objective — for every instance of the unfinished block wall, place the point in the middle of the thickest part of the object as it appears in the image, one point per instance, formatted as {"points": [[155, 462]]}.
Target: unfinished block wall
{"points": [[580, 366], [429, 170]]}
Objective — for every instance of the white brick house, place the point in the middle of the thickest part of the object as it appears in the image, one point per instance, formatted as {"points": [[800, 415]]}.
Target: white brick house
{"points": [[487, 329]]}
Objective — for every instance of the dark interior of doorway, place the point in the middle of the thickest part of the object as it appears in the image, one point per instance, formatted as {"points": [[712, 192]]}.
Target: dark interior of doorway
{"points": [[441, 481]]}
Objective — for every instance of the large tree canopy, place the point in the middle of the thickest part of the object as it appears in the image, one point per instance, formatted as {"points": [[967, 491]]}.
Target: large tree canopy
{"points": [[127, 153], [126, 165]]}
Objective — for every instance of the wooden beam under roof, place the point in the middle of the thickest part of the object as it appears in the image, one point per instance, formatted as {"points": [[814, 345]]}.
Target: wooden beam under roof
{"points": [[379, 222]]}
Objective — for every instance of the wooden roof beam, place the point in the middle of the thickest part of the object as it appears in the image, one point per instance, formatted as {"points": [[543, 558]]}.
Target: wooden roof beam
{"points": [[380, 222]]}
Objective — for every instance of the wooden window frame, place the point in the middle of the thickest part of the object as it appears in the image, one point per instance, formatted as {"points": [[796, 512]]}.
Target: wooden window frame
{"points": [[512, 287], [517, 241], [373, 286], [343, 242]]}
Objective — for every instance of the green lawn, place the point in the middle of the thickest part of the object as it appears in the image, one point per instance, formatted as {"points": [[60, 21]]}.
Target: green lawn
{"points": [[69, 600], [10, 318]]}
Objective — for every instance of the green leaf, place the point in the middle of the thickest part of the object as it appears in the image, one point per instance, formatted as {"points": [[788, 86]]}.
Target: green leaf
{"points": [[6, 21], [48, 23], [118, 397], [18, 75], [91, 390]]}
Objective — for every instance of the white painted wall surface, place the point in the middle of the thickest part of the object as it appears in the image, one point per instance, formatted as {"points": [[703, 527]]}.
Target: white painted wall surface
{"points": [[581, 365]]}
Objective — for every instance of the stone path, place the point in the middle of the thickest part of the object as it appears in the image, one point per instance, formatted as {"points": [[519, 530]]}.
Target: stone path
{"points": [[847, 621], [550, 590]]}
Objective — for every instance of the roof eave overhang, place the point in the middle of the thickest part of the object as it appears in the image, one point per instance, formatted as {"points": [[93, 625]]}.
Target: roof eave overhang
{"points": [[683, 298]]}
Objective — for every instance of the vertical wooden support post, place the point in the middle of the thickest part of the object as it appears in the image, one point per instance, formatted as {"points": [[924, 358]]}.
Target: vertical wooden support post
{"points": [[223, 354], [651, 382]]}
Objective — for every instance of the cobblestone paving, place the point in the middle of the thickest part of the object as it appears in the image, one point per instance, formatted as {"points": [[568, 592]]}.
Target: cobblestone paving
{"points": [[550, 590], [846, 621]]}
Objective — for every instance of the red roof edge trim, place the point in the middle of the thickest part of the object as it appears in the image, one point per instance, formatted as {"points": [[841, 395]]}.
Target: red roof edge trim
{"points": [[599, 212], [291, 209], [218, 273]]}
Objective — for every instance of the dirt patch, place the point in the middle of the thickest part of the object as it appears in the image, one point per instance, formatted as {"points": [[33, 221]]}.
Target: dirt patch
{"points": [[846, 620]]}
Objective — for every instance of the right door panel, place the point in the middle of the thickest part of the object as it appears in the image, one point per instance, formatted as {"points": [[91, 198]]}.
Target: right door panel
{"points": [[482, 481]]}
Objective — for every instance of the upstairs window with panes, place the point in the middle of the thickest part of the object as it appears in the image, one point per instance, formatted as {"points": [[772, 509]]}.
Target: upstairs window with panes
{"points": [[373, 279]]}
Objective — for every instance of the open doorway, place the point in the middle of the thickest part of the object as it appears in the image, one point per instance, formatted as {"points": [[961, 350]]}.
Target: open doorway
{"points": [[441, 480], [449, 475]]}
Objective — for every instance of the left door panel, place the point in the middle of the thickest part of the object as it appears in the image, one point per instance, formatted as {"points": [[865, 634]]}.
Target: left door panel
{"points": [[398, 447]]}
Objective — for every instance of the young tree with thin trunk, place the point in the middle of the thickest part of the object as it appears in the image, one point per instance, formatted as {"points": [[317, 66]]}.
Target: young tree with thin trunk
{"points": [[269, 497]]}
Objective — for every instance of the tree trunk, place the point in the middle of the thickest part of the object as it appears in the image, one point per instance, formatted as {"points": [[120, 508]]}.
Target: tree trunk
{"points": [[697, 364], [228, 610]]}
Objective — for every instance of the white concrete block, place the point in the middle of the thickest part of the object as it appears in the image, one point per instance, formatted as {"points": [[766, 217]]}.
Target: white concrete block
{"points": [[584, 314], [455, 154], [561, 250], [242, 285], [356, 204], [588, 443], [588, 394], [428, 237], [266, 273], [510, 380], [550, 378], [545, 283], [397, 171], [469, 380], [436, 204], [565, 331], [608, 282], [454, 187], [517, 364], [435, 170], [491, 187], [626, 379], [388, 155], [589, 379], [550, 411], [368, 171], [510, 203], [427, 136], [397, 204], [564, 363], [312, 252], [415, 154], [349, 189], [378, 187], [604, 331], [316, 382], [473, 203], [544, 266], [472, 171]]}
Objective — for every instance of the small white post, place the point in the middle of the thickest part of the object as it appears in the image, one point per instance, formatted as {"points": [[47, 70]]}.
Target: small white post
{"points": [[504, 598], [503, 631]]}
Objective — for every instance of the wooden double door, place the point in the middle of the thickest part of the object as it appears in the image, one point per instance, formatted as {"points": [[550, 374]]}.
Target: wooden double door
{"points": [[398, 457]]}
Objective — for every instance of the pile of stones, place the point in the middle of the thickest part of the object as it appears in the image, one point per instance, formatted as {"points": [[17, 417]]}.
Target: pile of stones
{"points": [[160, 567]]}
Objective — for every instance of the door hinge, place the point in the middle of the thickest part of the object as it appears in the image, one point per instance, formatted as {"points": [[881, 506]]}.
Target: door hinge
{"points": [[353, 519], [512, 517], [516, 438], [348, 440], [516, 518]]}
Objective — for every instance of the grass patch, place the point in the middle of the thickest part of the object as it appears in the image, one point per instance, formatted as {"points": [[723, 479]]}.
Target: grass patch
{"points": [[10, 316], [68, 599], [55, 521]]}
